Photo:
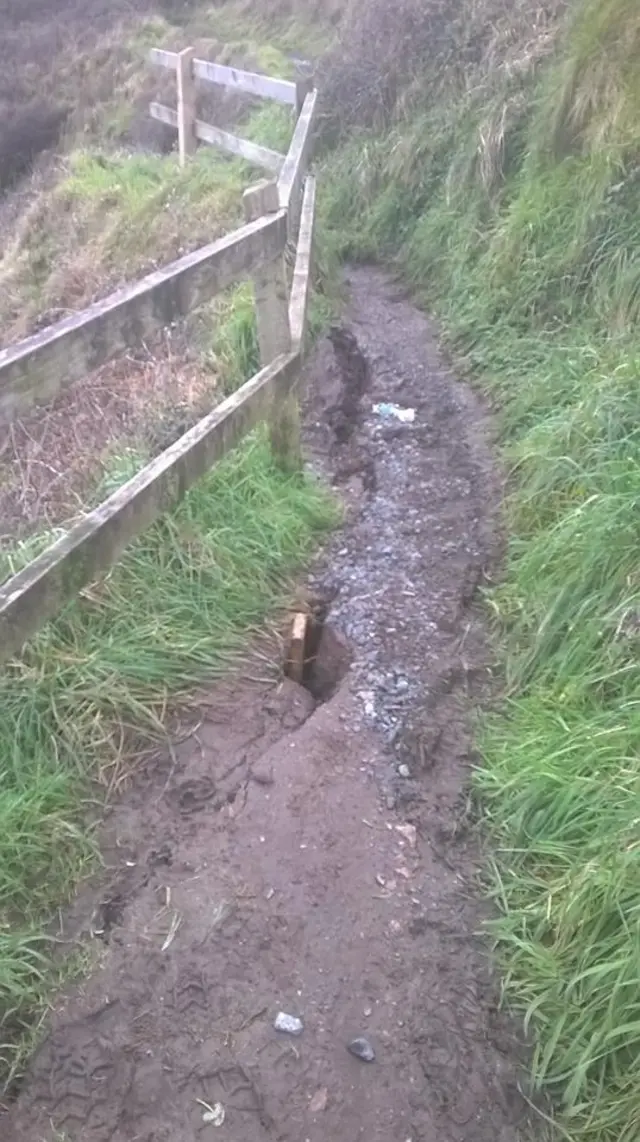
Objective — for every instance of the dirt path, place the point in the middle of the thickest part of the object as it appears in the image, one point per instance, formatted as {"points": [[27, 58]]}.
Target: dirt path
{"points": [[312, 857]]}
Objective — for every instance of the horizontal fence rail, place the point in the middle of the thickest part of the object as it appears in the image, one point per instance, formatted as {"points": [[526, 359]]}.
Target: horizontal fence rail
{"points": [[41, 589], [282, 90], [296, 163], [39, 367], [299, 300], [243, 148]]}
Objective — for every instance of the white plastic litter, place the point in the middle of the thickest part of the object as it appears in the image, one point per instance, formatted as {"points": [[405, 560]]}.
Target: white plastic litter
{"points": [[389, 411], [212, 1115]]}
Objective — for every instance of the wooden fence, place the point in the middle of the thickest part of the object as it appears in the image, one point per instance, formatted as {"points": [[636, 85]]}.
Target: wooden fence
{"points": [[37, 368], [189, 71]]}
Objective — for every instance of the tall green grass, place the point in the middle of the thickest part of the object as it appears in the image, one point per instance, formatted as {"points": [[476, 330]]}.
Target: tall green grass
{"points": [[526, 241], [173, 612]]}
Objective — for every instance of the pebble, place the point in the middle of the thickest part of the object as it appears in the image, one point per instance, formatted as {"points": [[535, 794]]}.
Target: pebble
{"points": [[319, 1101], [361, 1048], [404, 770], [409, 832], [290, 1024]]}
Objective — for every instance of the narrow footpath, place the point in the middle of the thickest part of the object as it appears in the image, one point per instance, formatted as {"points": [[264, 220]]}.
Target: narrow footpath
{"points": [[307, 851]]}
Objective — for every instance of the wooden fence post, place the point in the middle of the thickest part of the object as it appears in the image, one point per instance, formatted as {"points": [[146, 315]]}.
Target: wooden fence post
{"points": [[303, 88], [274, 332], [186, 104]]}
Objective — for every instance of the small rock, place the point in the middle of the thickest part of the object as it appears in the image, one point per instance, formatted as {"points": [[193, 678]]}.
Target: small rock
{"points": [[402, 685], [409, 832], [361, 1048], [404, 770], [290, 1024], [262, 774], [319, 1101], [380, 880]]}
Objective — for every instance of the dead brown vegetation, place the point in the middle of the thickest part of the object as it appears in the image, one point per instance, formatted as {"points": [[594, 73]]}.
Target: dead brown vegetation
{"points": [[53, 459], [390, 55], [25, 134]]}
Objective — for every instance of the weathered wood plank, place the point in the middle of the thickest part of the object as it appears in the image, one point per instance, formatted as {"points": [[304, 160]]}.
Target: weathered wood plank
{"points": [[37, 368], [243, 148], [304, 87], [186, 88], [271, 293], [164, 114], [270, 282], [164, 59], [296, 661], [296, 163], [41, 589], [301, 285], [280, 89], [252, 152]]}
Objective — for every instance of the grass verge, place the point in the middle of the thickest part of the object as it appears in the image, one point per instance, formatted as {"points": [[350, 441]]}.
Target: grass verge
{"points": [[173, 612], [512, 207]]}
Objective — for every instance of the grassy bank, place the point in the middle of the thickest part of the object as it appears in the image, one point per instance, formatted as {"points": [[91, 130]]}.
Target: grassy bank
{"points": [[115, 203], [512, 202], [112, 205], [94, 686]]}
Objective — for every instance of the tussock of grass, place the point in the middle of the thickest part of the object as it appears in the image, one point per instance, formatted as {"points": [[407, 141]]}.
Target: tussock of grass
{"points": [[171, 613], [595, 91], [230, 344], [513, 208]]}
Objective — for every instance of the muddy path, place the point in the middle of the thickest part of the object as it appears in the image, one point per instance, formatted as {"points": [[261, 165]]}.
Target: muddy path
{"points": [[306, 850]]}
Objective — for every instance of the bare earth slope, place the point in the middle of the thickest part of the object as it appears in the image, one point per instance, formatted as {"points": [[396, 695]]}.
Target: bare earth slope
{"points": [[276, 860]]}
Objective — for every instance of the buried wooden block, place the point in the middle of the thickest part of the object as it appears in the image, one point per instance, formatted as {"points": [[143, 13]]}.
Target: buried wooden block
{"points": [[296, 657]]}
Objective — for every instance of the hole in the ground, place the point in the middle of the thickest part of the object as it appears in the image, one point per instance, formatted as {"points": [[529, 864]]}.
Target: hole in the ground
{"points": [[326, 656], [354, 376]]}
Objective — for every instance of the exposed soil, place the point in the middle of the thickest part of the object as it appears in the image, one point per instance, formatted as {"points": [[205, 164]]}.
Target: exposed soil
{"points": [[309, 856]]}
